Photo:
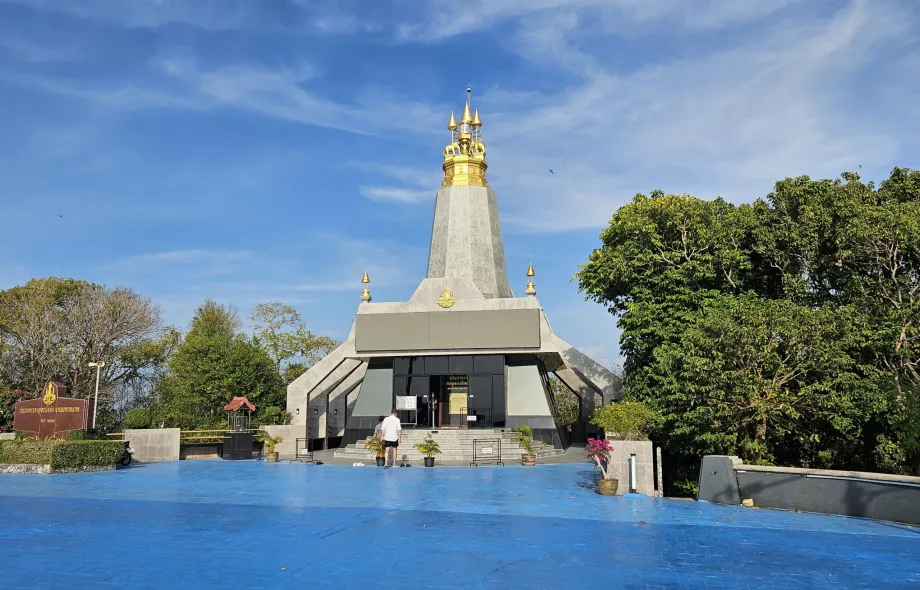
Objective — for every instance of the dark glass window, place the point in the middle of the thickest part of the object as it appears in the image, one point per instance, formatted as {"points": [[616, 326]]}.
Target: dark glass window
{"points": [[419, 385], [401, 365], [418, 365], [400, 385], [460, 365], [436, 365], [498, 399], [489, 363]]}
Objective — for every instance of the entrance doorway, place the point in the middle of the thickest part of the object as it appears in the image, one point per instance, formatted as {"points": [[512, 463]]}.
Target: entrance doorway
{"points": [[451, 395]]}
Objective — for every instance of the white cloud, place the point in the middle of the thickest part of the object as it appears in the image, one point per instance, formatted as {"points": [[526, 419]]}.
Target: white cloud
{"points": [[395, 194]]}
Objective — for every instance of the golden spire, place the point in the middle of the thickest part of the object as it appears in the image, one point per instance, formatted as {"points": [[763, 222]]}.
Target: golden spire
{"points": [[465, 156], [531, 290], [467, 116], [366, 293]]}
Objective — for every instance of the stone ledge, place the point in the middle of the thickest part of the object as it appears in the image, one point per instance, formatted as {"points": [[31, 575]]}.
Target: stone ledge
{"points": [[24, 468], [741, 467], [35, 469]]}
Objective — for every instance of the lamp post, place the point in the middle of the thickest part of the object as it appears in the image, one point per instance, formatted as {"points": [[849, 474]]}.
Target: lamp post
{"points": [[98, 366]]}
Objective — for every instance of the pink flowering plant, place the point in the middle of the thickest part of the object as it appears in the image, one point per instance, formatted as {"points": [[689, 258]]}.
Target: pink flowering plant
{"points": [[599, 451]]}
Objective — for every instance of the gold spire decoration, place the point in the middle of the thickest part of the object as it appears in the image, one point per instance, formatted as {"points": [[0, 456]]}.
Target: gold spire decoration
{"points": [[366, 293], [465, 155], [531, 290]]}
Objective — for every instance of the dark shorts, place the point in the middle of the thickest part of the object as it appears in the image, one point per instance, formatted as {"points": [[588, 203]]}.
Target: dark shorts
{"points": [[390, 443]]}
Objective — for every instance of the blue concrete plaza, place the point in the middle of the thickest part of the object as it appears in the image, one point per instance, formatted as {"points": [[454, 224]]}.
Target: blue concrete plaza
{"points": [[250, 524]]}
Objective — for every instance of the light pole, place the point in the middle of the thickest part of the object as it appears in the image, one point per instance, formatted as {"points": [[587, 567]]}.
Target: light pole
{"points": [[98, 366]]}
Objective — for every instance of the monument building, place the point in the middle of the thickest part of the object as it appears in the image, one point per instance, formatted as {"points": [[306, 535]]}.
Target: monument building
{"points": [[463, 351]]}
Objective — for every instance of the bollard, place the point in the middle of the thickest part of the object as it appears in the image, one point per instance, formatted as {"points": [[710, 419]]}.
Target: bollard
{"points": [[632, 474]]}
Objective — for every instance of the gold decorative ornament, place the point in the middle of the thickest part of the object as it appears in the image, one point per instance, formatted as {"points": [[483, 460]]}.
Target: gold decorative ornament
{"points": [[49, 397], [446, 299], [465, 155], [366, 293], [531, 290]]}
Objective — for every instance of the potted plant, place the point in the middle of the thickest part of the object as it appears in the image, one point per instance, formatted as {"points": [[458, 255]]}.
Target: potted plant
{"points": [[428, 447], [525, 438], [270, 442], [599, 451], [376, 446]]}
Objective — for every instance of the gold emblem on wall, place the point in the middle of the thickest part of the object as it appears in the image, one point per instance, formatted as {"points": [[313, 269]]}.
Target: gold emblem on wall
{"points": [[446, 299], [49, 397]]}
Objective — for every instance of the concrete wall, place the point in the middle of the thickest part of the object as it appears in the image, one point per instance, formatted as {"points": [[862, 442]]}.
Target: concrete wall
{"points": [[851, 493], [289, 435], [525, 393], [448, 330], [154, 444], [645, 465]]}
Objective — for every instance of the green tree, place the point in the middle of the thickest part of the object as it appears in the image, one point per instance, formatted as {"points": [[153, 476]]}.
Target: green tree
{"points": [[712, 298], [213, 363], [284, 335], [567, 404], [53, 328]]}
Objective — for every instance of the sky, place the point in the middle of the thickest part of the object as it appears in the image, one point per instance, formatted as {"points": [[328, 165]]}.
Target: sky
{"points": [[256, 151]]}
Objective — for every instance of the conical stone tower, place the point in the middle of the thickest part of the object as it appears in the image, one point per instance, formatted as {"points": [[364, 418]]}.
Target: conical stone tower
{"points": [[466, 236]]}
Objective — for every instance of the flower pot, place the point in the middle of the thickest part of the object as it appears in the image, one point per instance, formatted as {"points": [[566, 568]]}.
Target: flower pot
{"points": [[607, 487], [429, 461], [272, 457], [381, 461], [528, 460]]}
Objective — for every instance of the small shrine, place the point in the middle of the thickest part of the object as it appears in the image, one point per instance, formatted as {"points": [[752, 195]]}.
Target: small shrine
{"points": [[238, 441]]}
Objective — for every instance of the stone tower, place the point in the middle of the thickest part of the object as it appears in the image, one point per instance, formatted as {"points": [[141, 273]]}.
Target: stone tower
{"points": [[466, 237]]}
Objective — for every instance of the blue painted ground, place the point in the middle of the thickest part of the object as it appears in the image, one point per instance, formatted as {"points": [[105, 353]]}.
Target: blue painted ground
{"points": [[249, 524]]}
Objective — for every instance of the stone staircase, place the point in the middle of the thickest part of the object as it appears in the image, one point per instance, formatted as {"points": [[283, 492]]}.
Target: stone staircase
{"points": [[456, 446]]}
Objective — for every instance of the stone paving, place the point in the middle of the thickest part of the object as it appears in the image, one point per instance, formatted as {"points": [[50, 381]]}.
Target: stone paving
{"points": [[250, 524]]}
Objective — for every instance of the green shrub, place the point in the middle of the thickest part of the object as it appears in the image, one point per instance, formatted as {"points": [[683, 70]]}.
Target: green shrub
{"points": [[87, 453], [625, 420], [62, 454], [86, 435], [137, 418], [33, 452]]}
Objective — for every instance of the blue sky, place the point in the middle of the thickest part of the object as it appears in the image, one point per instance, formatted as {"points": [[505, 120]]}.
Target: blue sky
{"points": [[252, 151]]}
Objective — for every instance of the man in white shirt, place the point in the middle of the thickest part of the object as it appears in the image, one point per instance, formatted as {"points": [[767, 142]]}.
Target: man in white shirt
{"points": [[392, 435]]}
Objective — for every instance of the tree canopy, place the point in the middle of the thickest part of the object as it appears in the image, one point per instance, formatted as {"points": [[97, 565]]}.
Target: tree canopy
{"points": [[786, 330], [214, 362]]}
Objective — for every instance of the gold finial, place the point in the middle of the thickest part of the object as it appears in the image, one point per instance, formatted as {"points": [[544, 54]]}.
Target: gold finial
{"points": [[465, 156], [531, 290], [530, 271], [467, 116], [366, 293]]}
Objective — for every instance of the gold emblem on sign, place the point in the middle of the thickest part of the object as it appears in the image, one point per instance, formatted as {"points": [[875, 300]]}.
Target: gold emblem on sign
{"points": [[49, 397], [446, 299]]}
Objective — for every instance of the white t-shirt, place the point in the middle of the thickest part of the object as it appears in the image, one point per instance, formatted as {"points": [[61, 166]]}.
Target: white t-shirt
{"points": [[391, 428]]}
